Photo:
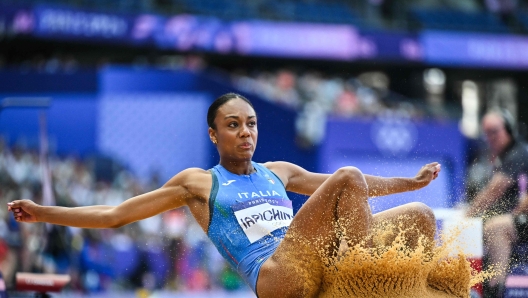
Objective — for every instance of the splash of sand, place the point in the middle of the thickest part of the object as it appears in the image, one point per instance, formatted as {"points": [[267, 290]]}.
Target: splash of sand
{"points": [[380, 268]]}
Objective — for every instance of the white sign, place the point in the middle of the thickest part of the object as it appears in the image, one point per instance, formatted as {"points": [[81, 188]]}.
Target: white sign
{"points": [[260, 220]]}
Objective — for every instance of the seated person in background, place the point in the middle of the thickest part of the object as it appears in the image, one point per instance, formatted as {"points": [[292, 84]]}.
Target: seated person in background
{"points": [[500, 196]]}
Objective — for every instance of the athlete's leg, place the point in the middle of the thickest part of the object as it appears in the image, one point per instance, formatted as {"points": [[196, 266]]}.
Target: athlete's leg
{"points": [[415, 219], [296, 267]]}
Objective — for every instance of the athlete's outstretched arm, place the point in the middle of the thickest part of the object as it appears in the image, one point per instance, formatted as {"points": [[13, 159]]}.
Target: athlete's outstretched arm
{"points": [[302, 181], [172, 195], [380, 186]]}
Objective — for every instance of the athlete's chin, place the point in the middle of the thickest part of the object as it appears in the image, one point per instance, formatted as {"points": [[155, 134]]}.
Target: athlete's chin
{"points": [[244, 156]]}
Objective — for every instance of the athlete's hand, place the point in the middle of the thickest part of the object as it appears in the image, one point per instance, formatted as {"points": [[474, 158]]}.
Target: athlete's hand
{"points": [[23, 210], [428, 173]]}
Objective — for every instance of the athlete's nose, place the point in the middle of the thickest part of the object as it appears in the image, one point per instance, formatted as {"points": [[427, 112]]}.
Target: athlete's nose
{"points": [[244, 131]]}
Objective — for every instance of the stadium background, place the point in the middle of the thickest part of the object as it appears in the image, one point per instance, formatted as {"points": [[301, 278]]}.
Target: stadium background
{"points": [[383, 85]]}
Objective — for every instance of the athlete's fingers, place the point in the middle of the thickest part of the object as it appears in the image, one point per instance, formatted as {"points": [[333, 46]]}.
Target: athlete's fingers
{"points": [[15, 205], [13, 209]]}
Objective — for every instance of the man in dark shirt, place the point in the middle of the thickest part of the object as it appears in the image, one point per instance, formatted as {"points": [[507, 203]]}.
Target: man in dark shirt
{"points": [[498, 201]]}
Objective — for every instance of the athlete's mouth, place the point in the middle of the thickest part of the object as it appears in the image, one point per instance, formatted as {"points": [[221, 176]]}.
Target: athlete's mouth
{"points": [[245, 145]]}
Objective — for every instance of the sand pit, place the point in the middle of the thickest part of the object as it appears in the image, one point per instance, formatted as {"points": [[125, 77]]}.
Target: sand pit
{"points": [[397, 273], [389, 269]]}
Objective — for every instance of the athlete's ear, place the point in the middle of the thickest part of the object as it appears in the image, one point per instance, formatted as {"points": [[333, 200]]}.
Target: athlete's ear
{"points": [[212, 135]]}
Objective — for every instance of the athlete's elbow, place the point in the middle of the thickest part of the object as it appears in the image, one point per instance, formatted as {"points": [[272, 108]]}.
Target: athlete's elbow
{"points": [[117, 225], [113, 220]]}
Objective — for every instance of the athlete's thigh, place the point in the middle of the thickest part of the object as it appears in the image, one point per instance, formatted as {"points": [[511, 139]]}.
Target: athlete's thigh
{"points": [[294, 270], [343, 194]]}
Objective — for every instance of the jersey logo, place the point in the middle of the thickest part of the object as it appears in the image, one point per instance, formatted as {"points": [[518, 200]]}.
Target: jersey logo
{"points": [[228, 182], [269, 179]]}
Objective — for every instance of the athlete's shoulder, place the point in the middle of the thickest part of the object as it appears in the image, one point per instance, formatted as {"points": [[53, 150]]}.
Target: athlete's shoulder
{"points": [[281, 166], [283, 169], [190, 175]]}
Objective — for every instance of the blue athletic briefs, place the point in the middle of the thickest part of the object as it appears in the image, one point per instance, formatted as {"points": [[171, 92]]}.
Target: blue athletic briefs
{"points": [[249, 216]]}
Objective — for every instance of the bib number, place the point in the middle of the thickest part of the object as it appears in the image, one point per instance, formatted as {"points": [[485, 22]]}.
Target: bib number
{"points": [[260, 217]]}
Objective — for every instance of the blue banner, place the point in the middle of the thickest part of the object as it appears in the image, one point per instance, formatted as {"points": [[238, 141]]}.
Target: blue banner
{"points": [[399, 147], [266, 38], [63, 23], [475, 50], [209, 34], [15, 20]]}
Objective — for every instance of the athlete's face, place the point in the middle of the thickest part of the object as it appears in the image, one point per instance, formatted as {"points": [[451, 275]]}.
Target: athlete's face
{"points": [[236, 130]]}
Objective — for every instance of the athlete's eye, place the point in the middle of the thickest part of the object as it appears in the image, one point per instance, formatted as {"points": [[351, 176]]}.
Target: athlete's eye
{"points": [[252, 123], [233, 124]]}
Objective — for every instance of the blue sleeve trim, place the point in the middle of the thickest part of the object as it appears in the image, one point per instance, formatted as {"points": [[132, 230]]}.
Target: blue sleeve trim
{"points": [[212, 197]]}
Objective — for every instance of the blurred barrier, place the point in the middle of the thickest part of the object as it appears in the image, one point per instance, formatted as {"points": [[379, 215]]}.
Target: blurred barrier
{"points": [[516, 286], [41, 283], [464, 235], [143, 293], [467, 232]]}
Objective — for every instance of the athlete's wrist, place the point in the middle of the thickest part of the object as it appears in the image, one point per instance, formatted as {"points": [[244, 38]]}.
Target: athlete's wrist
{"points": [[417, 183]]}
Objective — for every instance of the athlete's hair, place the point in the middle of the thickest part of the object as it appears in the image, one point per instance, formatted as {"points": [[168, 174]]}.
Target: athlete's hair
{"points": [[220, 101]]}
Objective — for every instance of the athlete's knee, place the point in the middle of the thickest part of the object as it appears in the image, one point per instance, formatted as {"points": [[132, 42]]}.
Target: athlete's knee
{"points": [[351, 176], [423, 213]]}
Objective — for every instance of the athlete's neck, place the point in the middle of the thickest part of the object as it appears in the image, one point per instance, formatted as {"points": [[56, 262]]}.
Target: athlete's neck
{"points": [[238, 167]]}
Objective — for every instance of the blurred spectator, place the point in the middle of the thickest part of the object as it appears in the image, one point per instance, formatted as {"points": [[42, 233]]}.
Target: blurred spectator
{"points": [[498, 198], [348, 104], [69, 64], [195, 63], [285, 92]]}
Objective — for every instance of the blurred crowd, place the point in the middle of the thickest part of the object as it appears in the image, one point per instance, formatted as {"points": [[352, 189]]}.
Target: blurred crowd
{"points": [[365, 95], [169, 251], [317, 96]]}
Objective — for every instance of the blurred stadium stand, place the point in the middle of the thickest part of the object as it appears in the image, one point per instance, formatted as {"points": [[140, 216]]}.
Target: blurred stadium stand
{"points": [[486, 16], [522, 19], [454, 20], [303, 11]]}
